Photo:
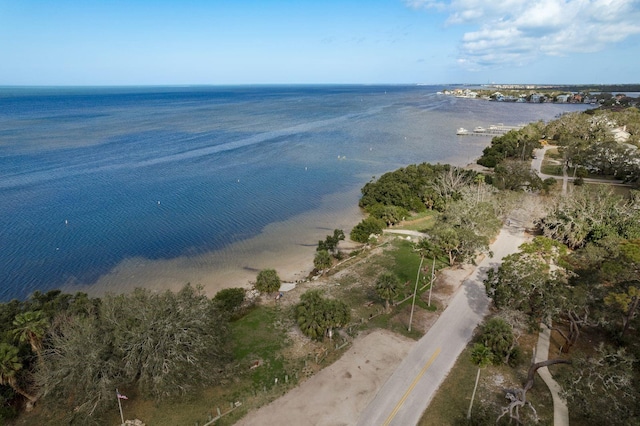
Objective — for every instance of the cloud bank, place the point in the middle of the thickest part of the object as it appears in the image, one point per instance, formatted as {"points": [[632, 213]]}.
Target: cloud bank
{"points": [[516, 32]]}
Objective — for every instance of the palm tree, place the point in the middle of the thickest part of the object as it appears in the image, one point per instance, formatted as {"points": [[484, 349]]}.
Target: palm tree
{"points": [[480, 356], [30, 327], [310, 321], [309, 314], [268, 281], [336, 314], [10, 365], [387, 287]]}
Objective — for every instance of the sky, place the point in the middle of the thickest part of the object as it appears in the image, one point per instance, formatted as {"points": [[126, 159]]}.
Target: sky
{"points": [[178, 42]]}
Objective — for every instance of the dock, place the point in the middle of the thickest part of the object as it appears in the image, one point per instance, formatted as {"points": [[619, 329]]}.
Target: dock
{"points": [[493, 130]]}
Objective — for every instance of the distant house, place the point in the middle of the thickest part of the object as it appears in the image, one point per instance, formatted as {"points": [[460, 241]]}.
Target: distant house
{"points": [[563, 98], [537, 98]]}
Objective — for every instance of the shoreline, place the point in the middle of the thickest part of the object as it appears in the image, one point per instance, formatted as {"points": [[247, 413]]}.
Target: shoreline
{"points": [[288, 247]]}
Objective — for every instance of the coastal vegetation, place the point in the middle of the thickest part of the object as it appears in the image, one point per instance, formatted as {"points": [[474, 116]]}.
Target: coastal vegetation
{"points": [[68, 353], [578, 276], [594, 143]]}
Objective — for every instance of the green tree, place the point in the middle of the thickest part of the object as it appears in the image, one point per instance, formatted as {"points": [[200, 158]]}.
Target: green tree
{"points": [[336, 315], [165, 344], [626, 303], [171, 343], [229, 300], [589, 215], [524, 283], [498, 336], [317, 316], [30, 327], [466, 213], [408, 188], [330, 244], [268, 281], [548, 183], [309, 314], [458, 243], [10, 365], [81, 369], [391, 215], [363, 230], [322, 260], [600, 387], [387, 286], [516, 175]]}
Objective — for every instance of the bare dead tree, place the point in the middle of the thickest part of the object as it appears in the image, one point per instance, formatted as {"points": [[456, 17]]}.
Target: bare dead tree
{"points": [[518, 397], [449, 182]]}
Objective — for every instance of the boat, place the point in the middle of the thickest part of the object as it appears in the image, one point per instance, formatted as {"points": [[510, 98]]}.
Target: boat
{"points": [[462, 131], [479, 129]]}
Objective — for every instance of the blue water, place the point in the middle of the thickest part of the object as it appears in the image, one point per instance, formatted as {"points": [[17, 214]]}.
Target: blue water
{"points": [[90, 177]]}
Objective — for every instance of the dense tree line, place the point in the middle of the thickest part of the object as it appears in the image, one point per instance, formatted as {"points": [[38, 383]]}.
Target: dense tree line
{"points": [[594, 287], [514, 145], [586, 142], [72, 351], [413, 188], [467, 215]]}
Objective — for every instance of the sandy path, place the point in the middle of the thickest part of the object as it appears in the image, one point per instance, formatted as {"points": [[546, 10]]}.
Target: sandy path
{"points": [[338, 394]]}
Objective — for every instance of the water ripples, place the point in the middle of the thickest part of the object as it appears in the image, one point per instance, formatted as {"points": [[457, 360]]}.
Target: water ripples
{"points": [[181, 175]]}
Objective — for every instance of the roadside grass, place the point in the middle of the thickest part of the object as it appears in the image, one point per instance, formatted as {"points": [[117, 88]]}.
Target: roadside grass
{"points": [[259, 336], [451, 402], [550, 164], [551, 169], [422, 221]]}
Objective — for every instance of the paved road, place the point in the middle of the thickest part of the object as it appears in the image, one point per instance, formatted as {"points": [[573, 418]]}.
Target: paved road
{"points": [[407, 393]]}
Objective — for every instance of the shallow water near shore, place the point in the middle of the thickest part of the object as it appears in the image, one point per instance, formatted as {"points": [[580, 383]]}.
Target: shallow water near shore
{"points": [[113, 188]]}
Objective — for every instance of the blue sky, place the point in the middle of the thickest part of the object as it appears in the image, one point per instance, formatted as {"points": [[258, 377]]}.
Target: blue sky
{"points": [[89, 42]]}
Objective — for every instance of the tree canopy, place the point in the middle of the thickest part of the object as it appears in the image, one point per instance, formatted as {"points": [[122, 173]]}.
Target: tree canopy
{"points": [[318, 316], [164, 344], [268, 281]]}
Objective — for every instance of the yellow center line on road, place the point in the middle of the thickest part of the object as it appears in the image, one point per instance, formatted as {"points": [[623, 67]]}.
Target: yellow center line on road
{"points": [[413, 385]]}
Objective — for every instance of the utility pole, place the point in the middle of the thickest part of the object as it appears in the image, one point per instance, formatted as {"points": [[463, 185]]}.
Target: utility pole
{"points": [[415, 290], [433, 269]]}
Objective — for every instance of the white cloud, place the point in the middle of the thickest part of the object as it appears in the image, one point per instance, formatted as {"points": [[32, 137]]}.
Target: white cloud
{"points": [[516, 32], [426, 4]]}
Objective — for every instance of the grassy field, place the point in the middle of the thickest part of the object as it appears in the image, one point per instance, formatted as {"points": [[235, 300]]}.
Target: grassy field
{"points": [[419, 221]]}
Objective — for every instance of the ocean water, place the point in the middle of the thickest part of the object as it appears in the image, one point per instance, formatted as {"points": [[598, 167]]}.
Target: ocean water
{"points": [[91, 178]]}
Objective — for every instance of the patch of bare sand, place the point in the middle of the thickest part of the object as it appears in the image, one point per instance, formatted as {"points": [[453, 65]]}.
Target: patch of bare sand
{"points": [[338, 394], [448, 281]]}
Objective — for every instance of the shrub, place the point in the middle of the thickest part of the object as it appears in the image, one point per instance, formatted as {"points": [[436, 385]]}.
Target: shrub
{"points": [[371, 225]]}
